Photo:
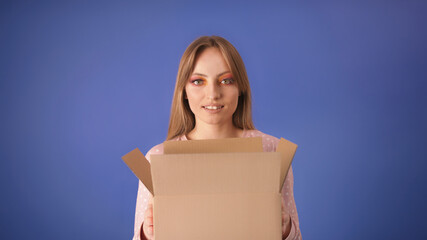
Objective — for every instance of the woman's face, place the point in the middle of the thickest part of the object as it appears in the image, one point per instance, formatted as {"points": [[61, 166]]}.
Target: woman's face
{"points": [[211, 91]]}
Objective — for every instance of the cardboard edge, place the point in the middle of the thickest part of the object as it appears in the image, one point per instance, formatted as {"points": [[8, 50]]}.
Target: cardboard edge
{"points": [[252, 144], [287, 150], [140, 167]]}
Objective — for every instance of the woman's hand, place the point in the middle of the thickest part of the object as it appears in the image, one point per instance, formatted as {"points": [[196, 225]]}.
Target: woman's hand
{"points": [[286, 221], [148, 228]]}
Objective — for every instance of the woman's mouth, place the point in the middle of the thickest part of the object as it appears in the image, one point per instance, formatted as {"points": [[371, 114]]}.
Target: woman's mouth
{"points": [[213, 107]]}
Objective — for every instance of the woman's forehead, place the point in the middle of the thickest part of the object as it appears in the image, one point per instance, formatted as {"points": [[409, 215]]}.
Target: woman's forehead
{"points": [[210, 61]]}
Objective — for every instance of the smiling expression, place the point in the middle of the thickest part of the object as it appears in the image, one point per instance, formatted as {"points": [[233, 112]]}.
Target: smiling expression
{"points": [[211, 91]]}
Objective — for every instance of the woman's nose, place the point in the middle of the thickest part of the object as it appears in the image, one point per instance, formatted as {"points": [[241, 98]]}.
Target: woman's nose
{"points": [[213, 91]]}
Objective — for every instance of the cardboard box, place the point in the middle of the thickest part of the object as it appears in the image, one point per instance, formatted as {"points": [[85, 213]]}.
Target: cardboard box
{"points": [[215, 189]]}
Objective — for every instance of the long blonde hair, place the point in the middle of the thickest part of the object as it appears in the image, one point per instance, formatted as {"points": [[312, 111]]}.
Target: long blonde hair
{"points": [[182, 119]]}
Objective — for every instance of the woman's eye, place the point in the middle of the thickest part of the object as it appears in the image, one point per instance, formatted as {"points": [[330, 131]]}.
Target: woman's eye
{"points": [[197, 82], [227, 81]]}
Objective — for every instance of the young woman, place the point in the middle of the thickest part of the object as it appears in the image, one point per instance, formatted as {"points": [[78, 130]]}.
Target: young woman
{"points": [[212, 99]]}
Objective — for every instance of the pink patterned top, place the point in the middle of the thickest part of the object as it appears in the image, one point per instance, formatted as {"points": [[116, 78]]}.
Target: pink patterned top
{"points": [[269, 144]]}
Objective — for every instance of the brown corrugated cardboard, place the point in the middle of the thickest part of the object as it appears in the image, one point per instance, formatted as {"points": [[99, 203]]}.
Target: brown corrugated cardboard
{"points": [[287, 149], [140, 167], [214, 145], [205, 191], [219, 216], [215, 173]]}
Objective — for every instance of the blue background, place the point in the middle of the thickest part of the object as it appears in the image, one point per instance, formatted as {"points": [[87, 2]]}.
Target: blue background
{"points": [[84, 82]]}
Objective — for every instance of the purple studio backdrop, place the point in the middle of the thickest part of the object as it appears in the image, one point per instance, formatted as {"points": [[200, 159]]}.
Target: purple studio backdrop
{"points": [[83, 82]]}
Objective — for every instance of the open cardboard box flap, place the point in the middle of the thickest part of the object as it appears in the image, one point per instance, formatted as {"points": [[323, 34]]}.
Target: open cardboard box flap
{"points": [[142, 168]]}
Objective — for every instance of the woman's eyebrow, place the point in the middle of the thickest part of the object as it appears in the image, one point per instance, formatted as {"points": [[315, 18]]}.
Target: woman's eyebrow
{"points": [[204, 75], [223, 73]]}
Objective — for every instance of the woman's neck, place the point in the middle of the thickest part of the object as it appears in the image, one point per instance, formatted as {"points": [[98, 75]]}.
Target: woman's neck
{"points": [[214, 132]]}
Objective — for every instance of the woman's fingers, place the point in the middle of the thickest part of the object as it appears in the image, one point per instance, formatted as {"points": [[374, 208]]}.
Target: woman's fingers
{"points": [[286, 219], [283, 204], [148, 222], [149, 211], [150, 232], [148, 228]]}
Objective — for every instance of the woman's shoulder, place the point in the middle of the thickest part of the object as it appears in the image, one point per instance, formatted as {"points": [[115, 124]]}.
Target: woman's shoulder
{"points": [[158, 149], [269, 142]]}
